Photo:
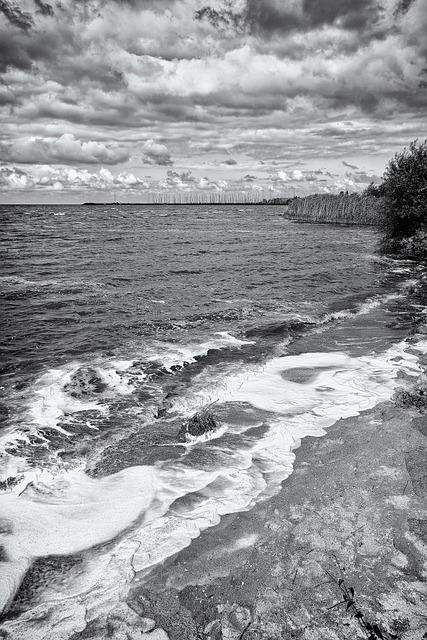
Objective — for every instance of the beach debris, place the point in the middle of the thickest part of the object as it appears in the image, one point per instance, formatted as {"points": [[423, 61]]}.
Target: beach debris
{"points": [[371, 630]]}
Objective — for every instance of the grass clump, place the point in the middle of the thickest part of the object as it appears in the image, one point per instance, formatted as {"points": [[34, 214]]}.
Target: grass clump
{"points": [[201, 423], [414, 397]]}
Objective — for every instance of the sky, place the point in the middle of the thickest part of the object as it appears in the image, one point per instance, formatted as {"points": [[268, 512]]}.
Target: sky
{"points": [[123, 98]]}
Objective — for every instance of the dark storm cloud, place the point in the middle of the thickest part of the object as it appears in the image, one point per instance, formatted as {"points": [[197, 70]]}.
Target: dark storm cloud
{"points": [[229, 161], [24, 49], [403, 6], [271, 15], [15, 16], [266, 16], [258, 15], [221, 18], [351, 14], [44, 8], [12, 54]]}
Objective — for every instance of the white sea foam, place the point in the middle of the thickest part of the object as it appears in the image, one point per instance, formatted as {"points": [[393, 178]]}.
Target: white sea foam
{"points": [[65, 514], [52, 403], [54, 400], [172, 354], [341, 383], [185, 501]]}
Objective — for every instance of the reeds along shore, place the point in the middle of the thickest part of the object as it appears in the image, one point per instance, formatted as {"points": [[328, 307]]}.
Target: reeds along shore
{"points": [[335, 209]]}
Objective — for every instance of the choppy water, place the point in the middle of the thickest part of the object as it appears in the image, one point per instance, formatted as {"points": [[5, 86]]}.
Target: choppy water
{"points": [[121, 322]]}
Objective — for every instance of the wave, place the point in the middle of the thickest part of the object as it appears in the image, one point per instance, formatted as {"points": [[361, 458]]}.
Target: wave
{"points": [[295, 324], [78, 398], [12, 287], [151, 512]]}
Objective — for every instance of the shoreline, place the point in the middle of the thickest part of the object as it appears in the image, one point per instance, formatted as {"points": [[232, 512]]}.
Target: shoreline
{"points": [[353, 503], [354, 506]]}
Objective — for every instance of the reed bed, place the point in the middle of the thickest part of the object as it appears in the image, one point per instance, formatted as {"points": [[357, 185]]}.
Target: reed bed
{"points": [[357, 209]]}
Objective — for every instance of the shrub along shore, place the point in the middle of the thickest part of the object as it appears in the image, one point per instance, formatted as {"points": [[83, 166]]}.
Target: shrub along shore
{"points": [[397, 206]]}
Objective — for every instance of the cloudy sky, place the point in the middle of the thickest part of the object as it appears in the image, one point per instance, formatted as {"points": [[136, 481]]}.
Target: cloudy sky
{"points": [[269, 96]]}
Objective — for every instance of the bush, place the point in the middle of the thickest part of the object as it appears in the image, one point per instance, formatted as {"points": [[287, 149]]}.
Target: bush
{"points": [[404, 216], [201, 423], [414, 398], [375, 190], [413, 247]]}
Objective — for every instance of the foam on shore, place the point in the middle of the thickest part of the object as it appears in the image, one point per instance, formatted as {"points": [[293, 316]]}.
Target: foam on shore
{"points": [[72, 390], [65, 514], [151, 513]]}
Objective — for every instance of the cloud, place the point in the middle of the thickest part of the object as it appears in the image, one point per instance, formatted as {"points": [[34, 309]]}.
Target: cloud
{"points": [[347, 164], [350, 15], [44, 8], [47, 178], [155, 153], [269, 82], [296, 176], [63, 150], [179, 181], [15, 16], [362, 178], [283, 16]]}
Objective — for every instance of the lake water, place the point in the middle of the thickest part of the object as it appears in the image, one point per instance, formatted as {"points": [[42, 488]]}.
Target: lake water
{"points": [[122, 322]]}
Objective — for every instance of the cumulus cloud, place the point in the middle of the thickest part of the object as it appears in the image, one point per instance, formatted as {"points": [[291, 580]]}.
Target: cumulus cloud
{"points": [[155, 153], [179, 181], [253, 81], [46, 178], [63, 150], [296, 175]]}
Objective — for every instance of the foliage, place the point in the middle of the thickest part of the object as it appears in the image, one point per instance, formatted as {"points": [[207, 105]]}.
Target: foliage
{"points": [[201, 423], [375, 190], [405, 201], [413, 247], [415, 398]]}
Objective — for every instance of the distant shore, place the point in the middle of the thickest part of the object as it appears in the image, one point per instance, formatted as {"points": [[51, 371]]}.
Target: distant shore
{"points": [[182, 204]]}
